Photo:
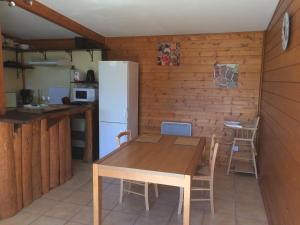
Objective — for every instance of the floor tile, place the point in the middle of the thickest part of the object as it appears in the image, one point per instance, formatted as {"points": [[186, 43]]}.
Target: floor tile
{"points": [[85, 215], [159, 210], [113, 189], [76, 182], [45, 220], [237, 201], [41, 206], [63, 211], [250, 210], [73, 223], [58, 194], [117, 218], [88, 187], [196, 218], [152, 221], [252, 221], [79, 197], [131, 204], [21, 218], [218, 219]]}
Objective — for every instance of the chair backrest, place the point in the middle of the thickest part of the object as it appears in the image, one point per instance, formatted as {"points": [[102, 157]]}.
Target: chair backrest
{"points": [[211, 148], [213, 161], [122, 134], [256, 123]]}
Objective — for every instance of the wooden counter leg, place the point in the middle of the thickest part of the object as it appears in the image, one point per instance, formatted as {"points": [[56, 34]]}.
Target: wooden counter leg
{"points": [[97, 195], [187, 201], [88, 151]]}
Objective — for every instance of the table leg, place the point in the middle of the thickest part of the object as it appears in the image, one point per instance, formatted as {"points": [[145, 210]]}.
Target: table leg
{"points": [[97, 195], [187, 201]]}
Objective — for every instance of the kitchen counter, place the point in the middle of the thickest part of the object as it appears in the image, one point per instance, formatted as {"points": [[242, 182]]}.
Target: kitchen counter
{"points": [[19, 117], [36, 155]]}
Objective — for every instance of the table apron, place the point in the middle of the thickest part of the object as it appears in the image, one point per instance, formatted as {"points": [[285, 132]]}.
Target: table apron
{"points": [[156, 177]]}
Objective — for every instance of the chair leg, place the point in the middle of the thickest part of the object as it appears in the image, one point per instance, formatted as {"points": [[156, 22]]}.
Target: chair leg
{"points": [[180, 200], [129, 187], [156, 190], [211, 193], [254, 162], [121, 190], [230, 158], [147, 196]]}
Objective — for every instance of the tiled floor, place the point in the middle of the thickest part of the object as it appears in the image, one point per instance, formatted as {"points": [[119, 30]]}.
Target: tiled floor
{"points": [[237, 202]]}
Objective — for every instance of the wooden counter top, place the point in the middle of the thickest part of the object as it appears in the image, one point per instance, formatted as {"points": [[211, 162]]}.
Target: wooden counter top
{"points": [[17, 117]]}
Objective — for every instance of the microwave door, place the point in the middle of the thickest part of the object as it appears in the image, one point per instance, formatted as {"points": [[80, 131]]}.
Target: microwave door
{"points": [[81, 95]]}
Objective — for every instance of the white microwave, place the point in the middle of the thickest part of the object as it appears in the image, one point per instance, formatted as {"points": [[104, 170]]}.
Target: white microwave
{"points": [[84, 94]]}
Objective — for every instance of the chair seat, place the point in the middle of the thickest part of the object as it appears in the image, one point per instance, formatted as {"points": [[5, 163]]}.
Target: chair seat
{"points": [[203, 171]]}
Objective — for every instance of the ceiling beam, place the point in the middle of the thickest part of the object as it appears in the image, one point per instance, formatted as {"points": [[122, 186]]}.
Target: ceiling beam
{"points": [[59, 19]]}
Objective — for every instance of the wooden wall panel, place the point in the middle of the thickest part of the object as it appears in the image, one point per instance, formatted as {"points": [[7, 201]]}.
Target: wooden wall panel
{"points": [[2, 99], [279, 157], [186, 92]]}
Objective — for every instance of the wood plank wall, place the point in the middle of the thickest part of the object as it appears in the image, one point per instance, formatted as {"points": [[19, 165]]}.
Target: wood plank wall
{"points": [[2, 99], [186, 93], [280, 129]]}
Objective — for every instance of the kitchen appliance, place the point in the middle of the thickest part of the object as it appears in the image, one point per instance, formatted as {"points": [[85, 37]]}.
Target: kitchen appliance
{"points": [[84, 94], [90, 76], [26, 96], [118, 102]]}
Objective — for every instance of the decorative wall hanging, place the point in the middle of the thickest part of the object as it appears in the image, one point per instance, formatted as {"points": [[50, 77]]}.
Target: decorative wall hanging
{"points": [[168, 54], [226, 75], [285, 31]]}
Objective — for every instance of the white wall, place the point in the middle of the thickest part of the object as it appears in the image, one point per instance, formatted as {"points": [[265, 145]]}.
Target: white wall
{"points": [[12, 83], [43, 77]]}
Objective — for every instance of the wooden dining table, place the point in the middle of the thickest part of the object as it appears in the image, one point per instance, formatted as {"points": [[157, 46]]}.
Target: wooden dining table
{"points": [[170, 160]]}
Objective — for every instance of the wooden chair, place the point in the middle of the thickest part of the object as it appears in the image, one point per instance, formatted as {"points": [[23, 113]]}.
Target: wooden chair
{"points": [[205, 178], [205, 166], [244, 136], [129, 183]]}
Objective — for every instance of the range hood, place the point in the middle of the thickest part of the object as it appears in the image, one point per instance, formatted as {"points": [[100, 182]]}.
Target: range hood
{"points": [[50, 62]]}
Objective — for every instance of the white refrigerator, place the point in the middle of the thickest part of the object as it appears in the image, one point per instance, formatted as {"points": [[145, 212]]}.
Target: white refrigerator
{"points": [[118, 102]]}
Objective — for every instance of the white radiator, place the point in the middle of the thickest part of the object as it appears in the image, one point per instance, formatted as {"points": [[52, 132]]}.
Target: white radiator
{"points": [[176, 128]]}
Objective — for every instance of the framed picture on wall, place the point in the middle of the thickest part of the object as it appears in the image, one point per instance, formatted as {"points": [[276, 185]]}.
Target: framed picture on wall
{"points": [[168, 53], [226, 75]]}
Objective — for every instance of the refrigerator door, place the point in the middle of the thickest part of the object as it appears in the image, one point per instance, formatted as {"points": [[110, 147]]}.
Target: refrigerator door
{"points": [[113, 89], [108, 133]]}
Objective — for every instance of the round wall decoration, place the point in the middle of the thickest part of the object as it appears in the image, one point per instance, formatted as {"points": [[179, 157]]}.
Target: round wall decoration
{"points": [[285, 32]]}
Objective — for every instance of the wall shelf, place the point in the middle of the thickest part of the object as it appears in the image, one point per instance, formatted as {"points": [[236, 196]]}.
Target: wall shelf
{"points": [[16, 65]]}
